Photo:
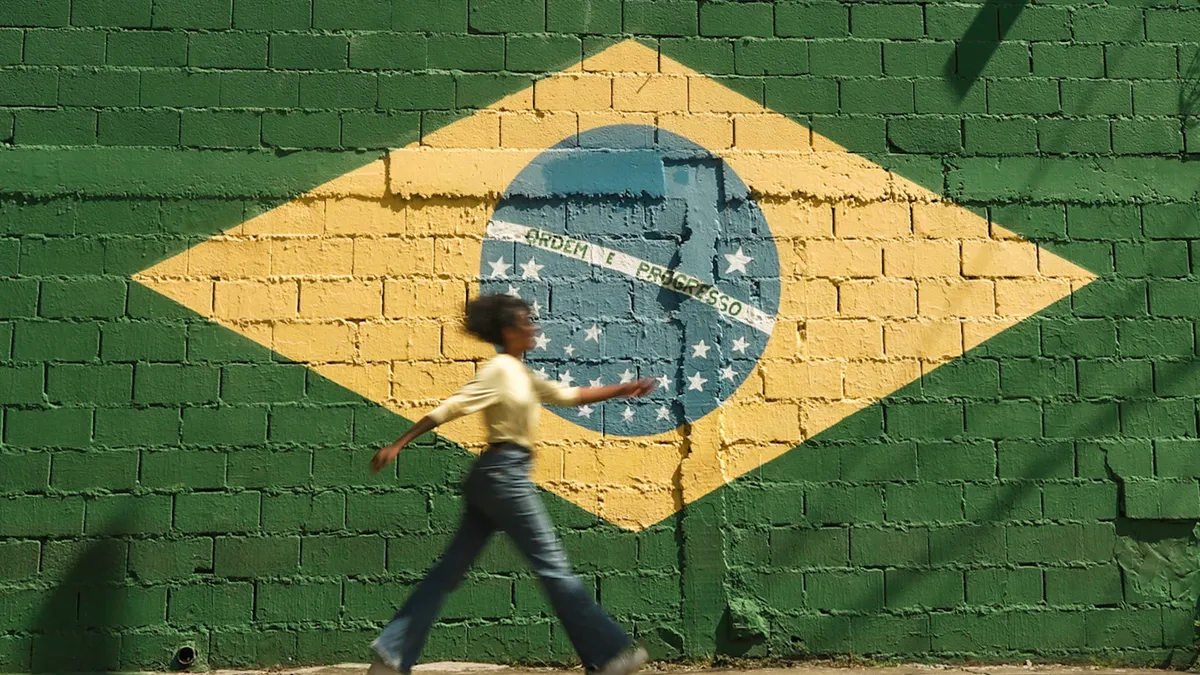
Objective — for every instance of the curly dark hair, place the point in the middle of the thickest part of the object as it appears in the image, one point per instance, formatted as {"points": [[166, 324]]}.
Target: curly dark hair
{"points": [[488, 315]]}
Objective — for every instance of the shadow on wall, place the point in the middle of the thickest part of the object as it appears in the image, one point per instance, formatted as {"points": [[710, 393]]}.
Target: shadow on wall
{"points": [[1189, 95], [979, 44], [79, 628]]}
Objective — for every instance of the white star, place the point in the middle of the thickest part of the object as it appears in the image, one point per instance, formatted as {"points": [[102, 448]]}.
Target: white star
{"points": [[537, 308], [695, 382], [593, 334], [627, 414], [541, 372], [530, 270], [626, 376], [727, 373], [700, 350], [499, 268], [663, 413], [541, 341], [570, 350], [740, 344], [737, 261], [585, 411], [512, 290], [662, 380], [566, 378], [595, 382]]}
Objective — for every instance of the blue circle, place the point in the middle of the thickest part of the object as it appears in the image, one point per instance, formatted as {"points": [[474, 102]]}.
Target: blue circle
{"points": [[671, 205]]}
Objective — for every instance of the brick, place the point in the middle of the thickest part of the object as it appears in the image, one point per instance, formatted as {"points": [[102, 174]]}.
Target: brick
{"points": [[139, 127], [466, 52], [855, 133], [1153, 259], [55, 340], [36, 13], [61, 47], [45, 256], [127, 514], [1061, 543], [583, 16], [878, 462], [848, 58], [662, 17], [539, 53], [1005, 586], [1162, 499], [416, 92], [924, 588], [41, 516], [217, 512], [821, 547], [309, 52], [22, 384], [828, 505], [1146, 338], [1126, 628], [924, 134], [1107, 24], [1074, 135], [11, 44], [1086, 586], [295, 129], [63, 427], [802, 94], [1039, 23], [336, 554], [176, 383], [1008, 59], [101, 384], [224, 426], [210, 604], [112, 13], [771, 57], [147, 48], [281, 602], [969, 633], [737, 19], [639, 595], [251, 557], [1087, 337], [1008, 500], [399, 511], [131, 427], [388, 51], [1000, 136], [245, 89], [812, 20], [1037, 377], [1140, 62], [139, 606], [704, 55], [1067, 60], [923, 502], [915, 59], [26, 472], [877, 548], [1026, 96], [199, 14], [221, 129], [180, 89], [430, 16], [311, 425], [337, 90], [273, 15], [1176, 458], [228, 50], [1164, 417], [972, 543], [827, 590], [65, 126], [896, 21], [1135, 137], [143, 341], [495, 16], [35, 87], [19, 559], [290, 512], [269, 468]]}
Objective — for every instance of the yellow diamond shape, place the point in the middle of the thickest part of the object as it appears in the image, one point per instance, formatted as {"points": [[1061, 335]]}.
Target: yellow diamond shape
{"points": [[364, 278]]}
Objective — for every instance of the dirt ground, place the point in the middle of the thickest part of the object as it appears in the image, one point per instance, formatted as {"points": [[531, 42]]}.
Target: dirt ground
{"points": [[485, 669]]}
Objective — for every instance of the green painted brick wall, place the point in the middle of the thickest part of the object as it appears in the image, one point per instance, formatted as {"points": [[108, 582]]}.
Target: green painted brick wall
{"points": [[165, 482]]}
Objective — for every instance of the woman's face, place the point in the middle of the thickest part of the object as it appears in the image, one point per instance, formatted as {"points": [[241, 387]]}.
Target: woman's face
{"points": [[519, 338]]}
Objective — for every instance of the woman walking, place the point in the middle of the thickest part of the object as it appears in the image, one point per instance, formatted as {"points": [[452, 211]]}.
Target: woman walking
{"points": [[501, 497]]}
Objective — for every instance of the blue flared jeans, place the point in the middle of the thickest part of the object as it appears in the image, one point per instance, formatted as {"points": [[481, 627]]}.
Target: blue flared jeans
{"points": [[501, 497]]}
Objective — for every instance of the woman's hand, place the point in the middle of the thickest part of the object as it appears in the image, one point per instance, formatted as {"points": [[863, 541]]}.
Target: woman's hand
{"points": [[385, 456]]}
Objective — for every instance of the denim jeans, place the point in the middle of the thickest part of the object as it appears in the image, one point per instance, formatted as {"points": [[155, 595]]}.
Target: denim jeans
{"points": [[501, 497]]}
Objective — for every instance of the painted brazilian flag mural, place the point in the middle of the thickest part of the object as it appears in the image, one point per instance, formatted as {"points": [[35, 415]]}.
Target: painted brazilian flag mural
{"points": [[916, 281]]}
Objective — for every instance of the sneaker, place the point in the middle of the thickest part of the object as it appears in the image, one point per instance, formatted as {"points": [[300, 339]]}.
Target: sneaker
{"points": [[625, 663], [378, 667]]}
